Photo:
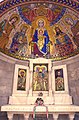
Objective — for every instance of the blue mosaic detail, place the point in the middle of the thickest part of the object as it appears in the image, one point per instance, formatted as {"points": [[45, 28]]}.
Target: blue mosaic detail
{"points": [[52, 23], [23, 17], [59, 17]]}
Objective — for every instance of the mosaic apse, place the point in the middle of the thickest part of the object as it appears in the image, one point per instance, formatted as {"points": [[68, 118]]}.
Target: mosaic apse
{"points": [[39, 29]]}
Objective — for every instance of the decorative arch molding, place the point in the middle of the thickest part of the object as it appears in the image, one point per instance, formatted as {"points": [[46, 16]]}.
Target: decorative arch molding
{"points": [[7, 5]]}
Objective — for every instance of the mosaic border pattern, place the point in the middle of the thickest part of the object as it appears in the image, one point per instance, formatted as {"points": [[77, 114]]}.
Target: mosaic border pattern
{"points": [[30, 57], [13, 3]]}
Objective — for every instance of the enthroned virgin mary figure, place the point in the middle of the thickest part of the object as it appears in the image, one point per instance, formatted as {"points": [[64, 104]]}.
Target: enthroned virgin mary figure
{"points": [[40, 39]]}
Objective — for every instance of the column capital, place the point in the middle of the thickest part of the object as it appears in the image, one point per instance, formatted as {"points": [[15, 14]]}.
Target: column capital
{"points": [[71, 116], [10, 115], [26, 116], [55, 116]]}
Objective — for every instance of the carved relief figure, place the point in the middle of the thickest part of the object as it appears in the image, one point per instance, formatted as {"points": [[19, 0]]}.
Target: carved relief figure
{"points": [[5, 29]]}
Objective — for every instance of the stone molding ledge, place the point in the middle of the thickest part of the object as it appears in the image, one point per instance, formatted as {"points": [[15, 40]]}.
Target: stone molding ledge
{"points": [[51, 108]]}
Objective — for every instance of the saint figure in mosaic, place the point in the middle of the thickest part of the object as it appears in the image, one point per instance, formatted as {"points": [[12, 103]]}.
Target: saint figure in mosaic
{"points": [[40, 78], [63, 44], [5, 29], [59, 80], [74, 28], [19, 43], [21, 79]]}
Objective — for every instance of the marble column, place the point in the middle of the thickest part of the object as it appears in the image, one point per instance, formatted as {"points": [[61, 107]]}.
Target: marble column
{"points": [[71, 116], [30, 83], [55, 116], [50, 84], [10, 116]]}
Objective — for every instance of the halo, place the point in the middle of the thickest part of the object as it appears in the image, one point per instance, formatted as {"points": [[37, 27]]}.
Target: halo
{"points": [[24, 26], [22, 71], [45, 68], [35, 69], [56, 26], [40, 68], [40, 19], [67, 16], [15, 15]]}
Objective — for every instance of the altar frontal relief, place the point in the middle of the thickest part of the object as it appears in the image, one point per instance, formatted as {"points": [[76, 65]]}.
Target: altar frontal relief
{"points": [[40, 77]]}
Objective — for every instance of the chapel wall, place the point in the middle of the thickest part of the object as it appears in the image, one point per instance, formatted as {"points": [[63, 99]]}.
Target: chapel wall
{"points": [[6, 80], [7, 74], [7, 66]]}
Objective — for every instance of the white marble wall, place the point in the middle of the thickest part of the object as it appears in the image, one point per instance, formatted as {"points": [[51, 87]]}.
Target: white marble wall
{"points": [[6, 80]]}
